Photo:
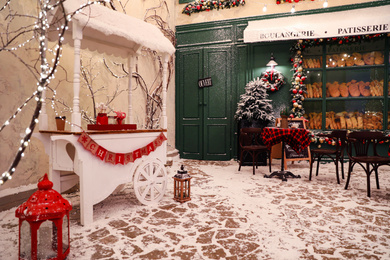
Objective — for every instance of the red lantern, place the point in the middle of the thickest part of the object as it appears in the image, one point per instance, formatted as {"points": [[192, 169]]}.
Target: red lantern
{"points": [[44, 224]]}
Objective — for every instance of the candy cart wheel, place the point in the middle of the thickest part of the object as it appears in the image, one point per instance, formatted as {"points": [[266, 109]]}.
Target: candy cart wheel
{"points": [[150, 181]]}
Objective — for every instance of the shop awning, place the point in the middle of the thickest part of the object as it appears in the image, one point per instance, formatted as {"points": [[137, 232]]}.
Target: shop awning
{"points": [[362, 21], [104, 27]]}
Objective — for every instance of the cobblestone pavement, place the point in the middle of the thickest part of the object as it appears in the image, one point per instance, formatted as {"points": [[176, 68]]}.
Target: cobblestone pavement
{"points": [[238, 215]]}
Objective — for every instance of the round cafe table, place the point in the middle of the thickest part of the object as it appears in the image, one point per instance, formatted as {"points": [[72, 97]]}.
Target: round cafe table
{"points": [[297, 138]]}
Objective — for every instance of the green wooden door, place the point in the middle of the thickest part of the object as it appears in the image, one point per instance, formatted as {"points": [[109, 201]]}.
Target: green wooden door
{"points": [[204, 115]]}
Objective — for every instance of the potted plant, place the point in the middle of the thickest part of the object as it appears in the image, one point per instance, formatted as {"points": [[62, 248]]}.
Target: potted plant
{"points": [[60, 122]]}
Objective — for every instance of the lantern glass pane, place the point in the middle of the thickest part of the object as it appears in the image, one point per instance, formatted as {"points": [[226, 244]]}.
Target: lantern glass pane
{"points": [[47, 240], [25, 240], [65, 234]]}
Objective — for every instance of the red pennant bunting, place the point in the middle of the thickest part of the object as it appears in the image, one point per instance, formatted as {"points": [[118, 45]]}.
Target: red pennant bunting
{"points": [[92, 147], [84, 139], [137, 154], [110, 157], [162, 137], [129, 158], [150, 147], [101, 153], [120, 158], [144, 151]]}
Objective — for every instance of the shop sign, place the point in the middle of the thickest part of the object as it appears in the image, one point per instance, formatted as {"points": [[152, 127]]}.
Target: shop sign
{"points": [[314, 26], [206, 82]]}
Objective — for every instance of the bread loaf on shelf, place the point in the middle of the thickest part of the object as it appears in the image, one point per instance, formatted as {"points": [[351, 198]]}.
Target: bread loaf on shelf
{"points": [[355, 59], [353, 89], [346, 120]]}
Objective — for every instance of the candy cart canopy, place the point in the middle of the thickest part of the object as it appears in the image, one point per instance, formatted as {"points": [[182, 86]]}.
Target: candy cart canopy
{"points": [[102, 26], [362, 21]]}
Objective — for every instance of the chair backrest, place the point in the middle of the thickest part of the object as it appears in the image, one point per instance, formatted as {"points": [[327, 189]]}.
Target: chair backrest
{"points": [[250, 136], [360, 142]]}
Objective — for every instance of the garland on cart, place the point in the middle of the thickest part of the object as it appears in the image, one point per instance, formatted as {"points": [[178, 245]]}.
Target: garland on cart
{"points": [[271, 80], [207, 5], [119, 158]]}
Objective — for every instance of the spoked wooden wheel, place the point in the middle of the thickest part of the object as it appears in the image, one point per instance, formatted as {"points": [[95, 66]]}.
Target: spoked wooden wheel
{"points": [[150, 181]]}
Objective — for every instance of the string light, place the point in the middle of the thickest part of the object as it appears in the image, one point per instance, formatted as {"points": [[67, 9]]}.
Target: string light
{"points": [[265, 8], [46, 74], [293, 9], [325, 4]]}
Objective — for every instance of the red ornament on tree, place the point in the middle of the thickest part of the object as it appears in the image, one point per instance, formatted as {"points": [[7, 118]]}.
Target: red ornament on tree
{"points": [[294, 91]]}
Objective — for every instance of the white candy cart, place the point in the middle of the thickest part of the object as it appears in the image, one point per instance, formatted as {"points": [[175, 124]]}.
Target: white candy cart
{"points": [[93, 28]]}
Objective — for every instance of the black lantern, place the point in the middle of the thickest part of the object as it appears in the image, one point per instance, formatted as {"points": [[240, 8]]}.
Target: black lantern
{"points": [[182, 186]]}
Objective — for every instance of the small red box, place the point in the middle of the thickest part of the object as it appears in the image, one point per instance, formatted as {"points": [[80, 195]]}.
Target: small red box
{"points": [[112, 127]]}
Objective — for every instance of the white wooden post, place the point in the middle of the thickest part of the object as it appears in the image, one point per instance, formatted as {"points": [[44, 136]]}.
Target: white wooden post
{"points": [[77, 35], [131, 61], [164, 119]]}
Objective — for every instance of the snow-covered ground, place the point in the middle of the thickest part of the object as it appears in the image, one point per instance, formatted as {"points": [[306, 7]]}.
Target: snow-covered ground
{"points": [[234, 215]]}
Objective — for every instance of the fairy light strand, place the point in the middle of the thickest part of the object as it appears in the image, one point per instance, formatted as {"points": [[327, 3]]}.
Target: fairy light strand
{"points": [[5, 5], [6, 123], [46, 74]]}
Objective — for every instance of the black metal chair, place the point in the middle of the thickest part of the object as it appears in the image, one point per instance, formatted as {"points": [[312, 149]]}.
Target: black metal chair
{"points": [[251, 142], [337, 154], [362, 150]]}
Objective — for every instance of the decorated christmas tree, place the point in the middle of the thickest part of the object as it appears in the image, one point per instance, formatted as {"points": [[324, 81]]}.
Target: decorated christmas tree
{"points": [[254, 106]]}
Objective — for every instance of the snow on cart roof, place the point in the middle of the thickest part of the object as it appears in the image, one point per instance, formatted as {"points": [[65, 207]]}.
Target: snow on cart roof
{"points": [[101, 25]]}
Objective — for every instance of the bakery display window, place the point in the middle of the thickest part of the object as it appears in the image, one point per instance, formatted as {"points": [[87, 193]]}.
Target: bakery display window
{"points": [[315, 116], [350, 90], [314, 84], [361, 82], [356, 114], [355, 54], [313, 58]]}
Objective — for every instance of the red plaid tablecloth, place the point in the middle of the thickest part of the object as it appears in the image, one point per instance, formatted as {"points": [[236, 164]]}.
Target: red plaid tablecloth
{"points": [[297, 138]]}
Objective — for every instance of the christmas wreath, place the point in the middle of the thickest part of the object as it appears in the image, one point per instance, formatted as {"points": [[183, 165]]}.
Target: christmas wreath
{"points": [[272, 80]]}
